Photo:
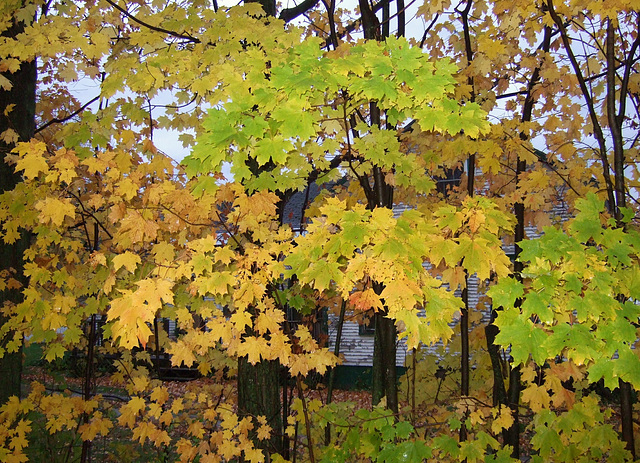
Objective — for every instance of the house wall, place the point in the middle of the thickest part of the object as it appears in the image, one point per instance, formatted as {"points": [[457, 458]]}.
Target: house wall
{"points": [[357, 349]]}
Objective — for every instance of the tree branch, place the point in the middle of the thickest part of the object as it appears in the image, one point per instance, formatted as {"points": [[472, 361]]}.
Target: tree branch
{"points": [[597, 129], [624, 87], [66, 118], [151, 27], [290, 14]]}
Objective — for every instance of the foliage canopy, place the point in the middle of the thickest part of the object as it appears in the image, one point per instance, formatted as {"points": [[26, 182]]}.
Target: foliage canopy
{"points": [[123, 234]]}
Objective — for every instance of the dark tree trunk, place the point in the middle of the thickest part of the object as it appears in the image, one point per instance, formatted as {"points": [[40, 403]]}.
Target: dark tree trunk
{"points": [[22, 120], [499, 391], [259, 395], [512, 435], [384, 381], [269, 6], [332, 372]]}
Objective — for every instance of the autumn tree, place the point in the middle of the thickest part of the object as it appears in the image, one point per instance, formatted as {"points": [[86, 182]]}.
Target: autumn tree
{"points": [[17, 123], [122, 233]]}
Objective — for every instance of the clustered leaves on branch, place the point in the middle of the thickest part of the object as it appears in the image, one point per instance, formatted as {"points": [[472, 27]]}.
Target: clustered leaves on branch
{"points": [[123, 234]]}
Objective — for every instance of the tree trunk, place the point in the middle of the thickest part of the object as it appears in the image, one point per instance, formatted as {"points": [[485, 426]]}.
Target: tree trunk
{"points": [[332, 372], [499, 391], [384, 381], [512, 435], [269, 6], [22, 120], [259, 395]]}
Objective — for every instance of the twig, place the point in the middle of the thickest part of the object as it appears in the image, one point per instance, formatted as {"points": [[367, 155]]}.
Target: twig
{"points": [[56, 120], [151, 27]]}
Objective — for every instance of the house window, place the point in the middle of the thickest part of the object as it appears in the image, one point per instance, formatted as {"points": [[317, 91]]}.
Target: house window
{"points": [[450, 180], [367, 327]]}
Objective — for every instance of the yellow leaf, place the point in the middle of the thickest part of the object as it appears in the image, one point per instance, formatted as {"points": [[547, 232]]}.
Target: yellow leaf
{"points": [[130, 411], [476, 220], [306, 340], [109, 283], [264, 431], [160, 395], [300, 365], [252, 348], [503, 419], [476, 417], [181, 354], [5, 84], [269, 321], [537, 397], [241, 319], [97, 258], [254, 455], [31, 161], [55, 210], [280, 348], [224, 255], [97, 425], [9, 136], [127, 260], [127, 188], [149, 147]]}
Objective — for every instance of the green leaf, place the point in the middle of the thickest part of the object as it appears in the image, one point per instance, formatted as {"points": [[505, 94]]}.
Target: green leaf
{"points": [[321, 273], [447, 444], [274, 149], [505, 293], [405, 452], [296, 121], [546, 441], [537, 303]]}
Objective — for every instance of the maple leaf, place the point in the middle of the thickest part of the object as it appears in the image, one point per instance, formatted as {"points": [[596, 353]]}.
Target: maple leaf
{"points": [[269, 321], [502, 419], [253, 348], [128, 260], [365, 300], [536, 396], [505, 293], [254, 455], [97, 425], [241, 319], [55, 210], [130, 411], [181, 354], [264, 430]]}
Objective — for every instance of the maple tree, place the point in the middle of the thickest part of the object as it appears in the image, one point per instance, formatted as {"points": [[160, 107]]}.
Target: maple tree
{"points": [[124, 235], [18, 100]]}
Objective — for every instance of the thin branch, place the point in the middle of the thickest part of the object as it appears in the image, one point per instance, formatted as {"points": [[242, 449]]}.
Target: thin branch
{"points": [[615, 126], [231, 234], [90, 214], [426, 31], [627, 75], [587, 79], [401, 12], [306, 419], [597, 129], [330, 6], [169, 106], [352, 26], [66, 118], [151, 27]]}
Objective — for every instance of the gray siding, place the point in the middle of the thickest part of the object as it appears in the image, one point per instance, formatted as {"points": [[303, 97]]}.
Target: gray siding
{"points": [[357, 349]]}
